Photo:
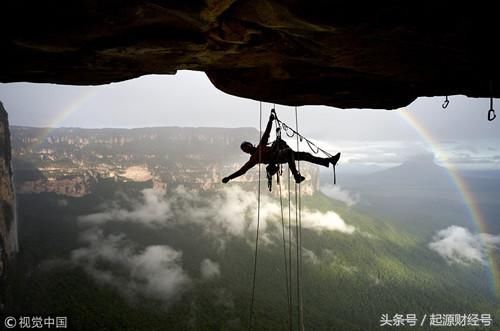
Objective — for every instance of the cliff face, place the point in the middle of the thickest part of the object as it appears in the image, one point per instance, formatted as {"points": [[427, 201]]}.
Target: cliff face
{"points": [[339, 53], [8, 225], [71, 161]]}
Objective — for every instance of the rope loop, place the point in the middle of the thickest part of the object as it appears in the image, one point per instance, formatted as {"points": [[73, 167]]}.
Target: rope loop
{"points": [[311, 145], [287, 130]]}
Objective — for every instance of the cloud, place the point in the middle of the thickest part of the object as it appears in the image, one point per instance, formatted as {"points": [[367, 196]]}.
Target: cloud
{"points": [[466, 158], [154, 271], [209, 269], [383, 153], [458, 244], [330, 220], [309, 255], [336, 192], [363, 156], [152, 210], [230, 211]]}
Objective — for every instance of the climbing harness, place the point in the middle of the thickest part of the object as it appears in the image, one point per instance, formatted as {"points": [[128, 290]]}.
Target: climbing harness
{"points": [[277, 146], [271, 170]]}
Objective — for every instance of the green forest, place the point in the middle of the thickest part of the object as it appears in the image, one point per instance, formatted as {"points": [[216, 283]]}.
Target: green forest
{"points": [[348, 280]]}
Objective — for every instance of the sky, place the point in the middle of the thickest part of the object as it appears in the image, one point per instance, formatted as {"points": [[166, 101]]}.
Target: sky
{"points": [[189, 99]]}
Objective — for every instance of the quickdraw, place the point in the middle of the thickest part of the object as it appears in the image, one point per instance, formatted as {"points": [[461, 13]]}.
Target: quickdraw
{"points": [[491, 112], [446, 102]]}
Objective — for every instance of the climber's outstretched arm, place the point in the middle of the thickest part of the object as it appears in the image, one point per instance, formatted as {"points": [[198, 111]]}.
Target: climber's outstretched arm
{"points": [[247, 166]]}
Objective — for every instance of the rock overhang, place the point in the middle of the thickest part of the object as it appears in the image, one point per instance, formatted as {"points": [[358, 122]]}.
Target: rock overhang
{"points": [[344, 54]]}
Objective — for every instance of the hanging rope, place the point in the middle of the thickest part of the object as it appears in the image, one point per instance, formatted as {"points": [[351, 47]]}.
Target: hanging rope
{"points": [[287, 279], [299, 235], [280, 173], [286, 264], [298, 221], [290, 313], [334, 176], [250, 319]]}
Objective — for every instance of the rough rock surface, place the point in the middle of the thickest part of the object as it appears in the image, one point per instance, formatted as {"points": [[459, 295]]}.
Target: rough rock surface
{"points": [[340, 53], [8, 226]]}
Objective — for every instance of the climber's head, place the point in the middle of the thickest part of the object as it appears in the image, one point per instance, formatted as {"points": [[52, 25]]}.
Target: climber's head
{"points": [[247, 147]]}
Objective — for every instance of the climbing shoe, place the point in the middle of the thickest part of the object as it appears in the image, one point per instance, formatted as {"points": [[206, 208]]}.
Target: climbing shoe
{"points": [[334, 159], [299, 178]]}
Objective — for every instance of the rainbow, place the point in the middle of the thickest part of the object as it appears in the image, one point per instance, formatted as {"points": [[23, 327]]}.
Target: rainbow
{"points": [[57, 121], [462, 187]]}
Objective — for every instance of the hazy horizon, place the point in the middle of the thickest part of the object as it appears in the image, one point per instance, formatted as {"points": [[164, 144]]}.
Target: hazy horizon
{"points": [[460, 135]]}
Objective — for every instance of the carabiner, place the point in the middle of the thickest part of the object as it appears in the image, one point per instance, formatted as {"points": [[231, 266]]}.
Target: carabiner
{"points": [[491, 112], [491, 115], [278, 130], [446, 103]]}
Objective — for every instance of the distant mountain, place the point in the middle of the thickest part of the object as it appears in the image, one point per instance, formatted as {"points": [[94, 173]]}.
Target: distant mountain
{"points": [[70, 161], [414, 193], [94, 145], [417, 174]]}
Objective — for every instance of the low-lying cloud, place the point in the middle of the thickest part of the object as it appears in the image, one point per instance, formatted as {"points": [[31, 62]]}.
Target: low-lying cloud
{"points": [[209, 269], [231, 211], [316, 220], [154, 271], [457, 244], [338, 193], [309, 256], [152, 210]]}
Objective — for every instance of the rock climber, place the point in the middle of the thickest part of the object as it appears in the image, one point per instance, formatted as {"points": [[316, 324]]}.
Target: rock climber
{"points": [[277, 153]]}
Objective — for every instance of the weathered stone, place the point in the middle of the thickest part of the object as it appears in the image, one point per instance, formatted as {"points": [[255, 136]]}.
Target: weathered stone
{"points": [[339, 53], [8, 226]]}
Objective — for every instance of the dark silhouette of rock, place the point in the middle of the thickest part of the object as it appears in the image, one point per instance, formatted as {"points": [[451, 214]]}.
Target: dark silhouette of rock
{"points": [[8, 226], [339, 53]]}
